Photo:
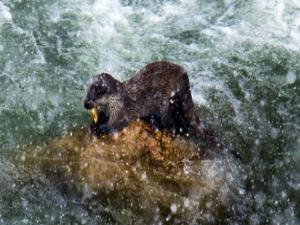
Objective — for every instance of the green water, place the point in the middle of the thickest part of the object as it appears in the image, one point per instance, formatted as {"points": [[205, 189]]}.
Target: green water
{"points": [[242, 58]]}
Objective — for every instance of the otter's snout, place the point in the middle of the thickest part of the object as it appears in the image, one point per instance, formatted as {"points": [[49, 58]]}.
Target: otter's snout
{"points": [[88, 104]]}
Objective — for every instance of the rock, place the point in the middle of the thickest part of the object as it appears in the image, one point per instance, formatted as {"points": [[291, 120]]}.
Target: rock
{"points": [[148, 173]]}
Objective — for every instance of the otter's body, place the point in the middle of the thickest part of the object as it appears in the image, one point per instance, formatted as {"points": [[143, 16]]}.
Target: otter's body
{"points": [[159, 94], [160, 91]]}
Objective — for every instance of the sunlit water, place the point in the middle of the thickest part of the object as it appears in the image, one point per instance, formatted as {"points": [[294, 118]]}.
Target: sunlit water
{"points": [[242, 58]]}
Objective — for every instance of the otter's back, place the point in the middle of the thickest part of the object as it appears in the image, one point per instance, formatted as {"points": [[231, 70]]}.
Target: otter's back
{"points": [[157, 81]]}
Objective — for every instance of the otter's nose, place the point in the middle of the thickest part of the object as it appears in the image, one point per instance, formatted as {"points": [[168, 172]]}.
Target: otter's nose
{"points": [[88, 104]]}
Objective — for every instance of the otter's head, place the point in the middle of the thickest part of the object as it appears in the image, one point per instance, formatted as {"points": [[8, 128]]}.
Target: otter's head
{"points": [[103, 98]]}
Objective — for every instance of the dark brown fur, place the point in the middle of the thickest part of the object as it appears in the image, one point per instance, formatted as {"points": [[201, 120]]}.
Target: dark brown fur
{"points": [[159, 94]]}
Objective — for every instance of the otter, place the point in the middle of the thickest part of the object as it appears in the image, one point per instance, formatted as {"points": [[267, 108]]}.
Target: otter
{"points": [[158, 94]]}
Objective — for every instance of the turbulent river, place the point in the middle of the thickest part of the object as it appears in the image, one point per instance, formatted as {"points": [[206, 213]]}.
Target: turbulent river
{"points": [[243, 61]]}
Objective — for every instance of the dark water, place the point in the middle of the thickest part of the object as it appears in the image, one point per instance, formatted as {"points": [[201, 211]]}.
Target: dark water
{"points": [[242, 58]]}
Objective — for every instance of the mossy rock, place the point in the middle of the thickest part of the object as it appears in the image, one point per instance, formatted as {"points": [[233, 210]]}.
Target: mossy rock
{"points": [[151, 173]]}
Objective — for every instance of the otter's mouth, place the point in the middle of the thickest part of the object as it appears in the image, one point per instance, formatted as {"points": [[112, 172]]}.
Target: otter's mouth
{"points": [[94, 115], [98, 116]]}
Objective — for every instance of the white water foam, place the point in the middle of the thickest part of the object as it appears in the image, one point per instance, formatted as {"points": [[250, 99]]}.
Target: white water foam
{"points": [[5, 14]]}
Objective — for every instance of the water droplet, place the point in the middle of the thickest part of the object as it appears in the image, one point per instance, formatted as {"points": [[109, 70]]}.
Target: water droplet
{"points": [[173, 208], [144, 176], [25, 221], [187, 203], [275, 133], [23, 157], [291, 77], [241, 191]]}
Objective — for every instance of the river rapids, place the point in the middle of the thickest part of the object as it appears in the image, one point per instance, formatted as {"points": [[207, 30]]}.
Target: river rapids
{"points": [[243, 62]]}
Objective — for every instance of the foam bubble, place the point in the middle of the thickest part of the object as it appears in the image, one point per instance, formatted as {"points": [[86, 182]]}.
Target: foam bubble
{"points": [[5, 14]]}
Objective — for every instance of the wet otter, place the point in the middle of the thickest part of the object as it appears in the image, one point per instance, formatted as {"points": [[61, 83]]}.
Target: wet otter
{"points": [[158, 94]]}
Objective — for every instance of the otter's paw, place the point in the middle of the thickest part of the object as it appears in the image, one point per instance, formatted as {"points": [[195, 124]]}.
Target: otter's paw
{"points": [[100, 129]]}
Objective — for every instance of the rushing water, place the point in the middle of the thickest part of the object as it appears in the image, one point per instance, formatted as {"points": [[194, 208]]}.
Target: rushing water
{"points": [[242, 58]]}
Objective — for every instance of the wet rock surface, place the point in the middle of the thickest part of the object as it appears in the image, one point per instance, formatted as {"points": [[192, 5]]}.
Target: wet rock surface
{"points": [[137, 171]]}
